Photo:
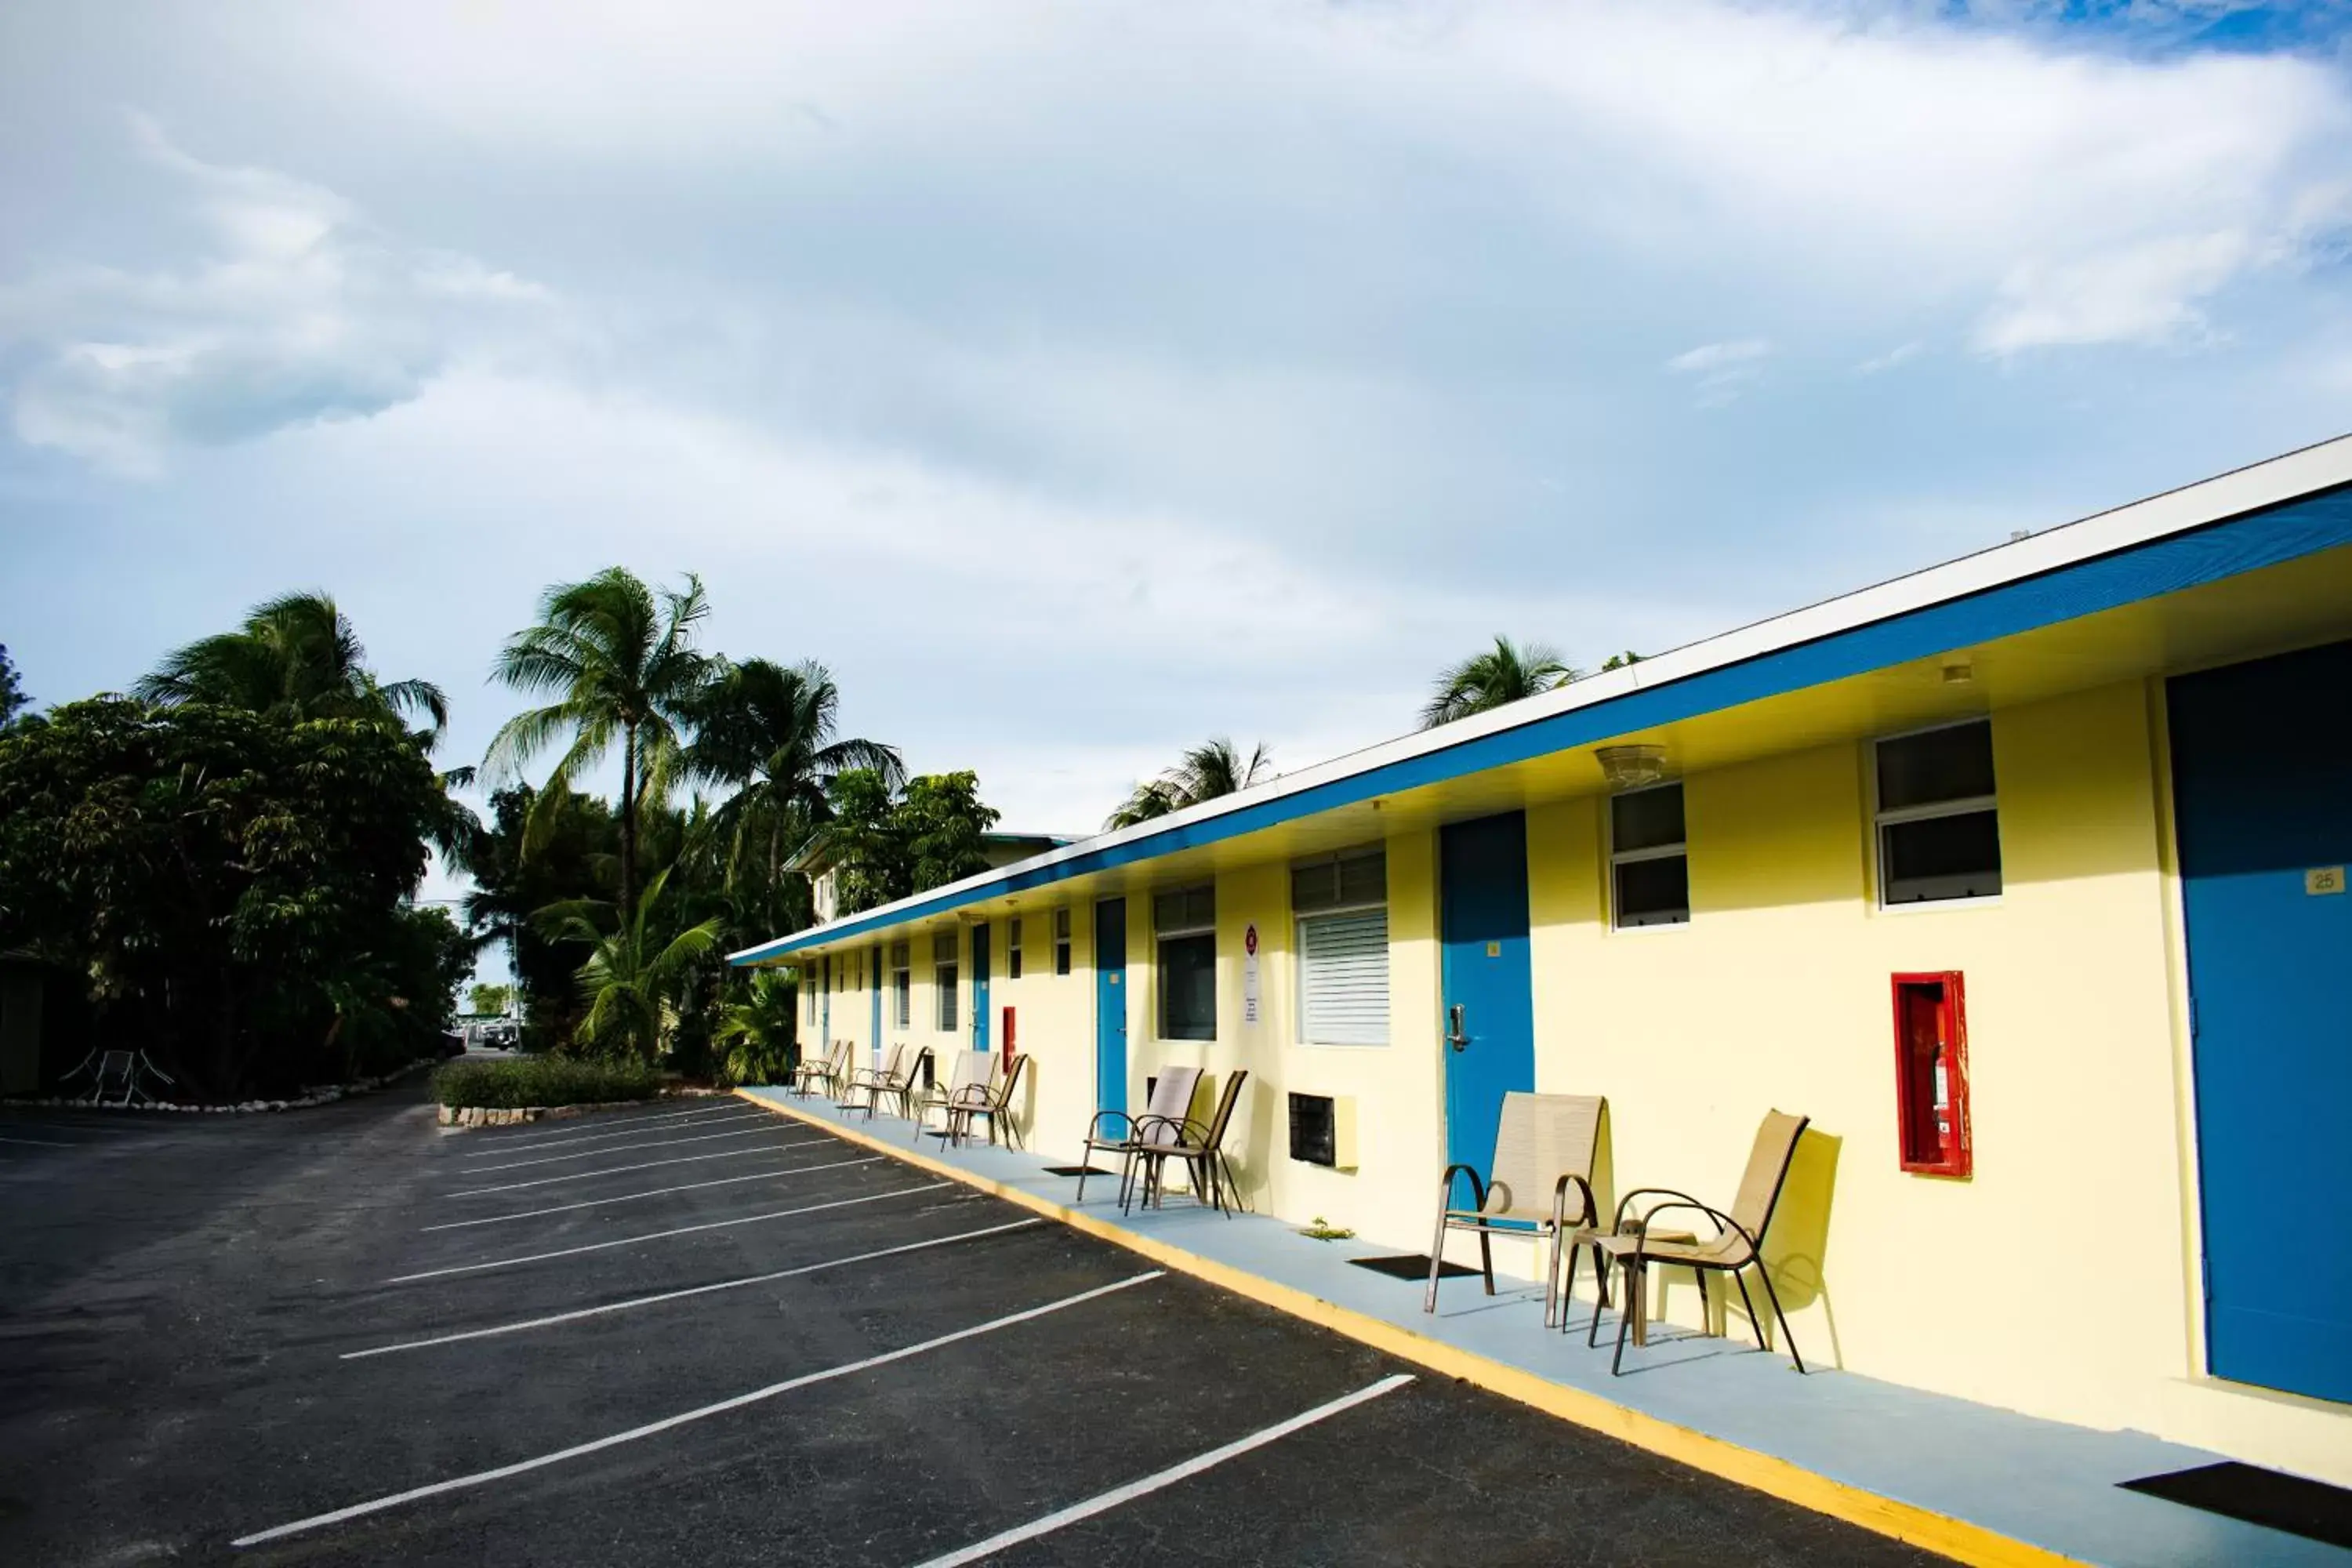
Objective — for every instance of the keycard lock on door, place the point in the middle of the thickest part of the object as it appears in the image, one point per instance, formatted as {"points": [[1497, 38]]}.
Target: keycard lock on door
{"points": [[1454, 1034]]}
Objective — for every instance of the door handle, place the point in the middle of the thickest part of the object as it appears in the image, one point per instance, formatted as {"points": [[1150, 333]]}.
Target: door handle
{"points": [[1454, 1034]]}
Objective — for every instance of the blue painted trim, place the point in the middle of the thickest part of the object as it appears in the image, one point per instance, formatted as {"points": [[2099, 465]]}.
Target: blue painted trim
{"points": [[2168, 565]]}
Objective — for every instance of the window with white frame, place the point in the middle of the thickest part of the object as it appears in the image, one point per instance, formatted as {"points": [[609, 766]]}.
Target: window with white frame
{"points": [[1649, 858], [902, 986], [943, 977], [1013, 947], [1061, 941], [1938, 827], [1338, 905], [1185, 926]]}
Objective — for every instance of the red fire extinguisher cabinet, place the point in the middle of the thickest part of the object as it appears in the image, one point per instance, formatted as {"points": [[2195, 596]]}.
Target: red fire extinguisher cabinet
{"points": [[1931, 1074]]}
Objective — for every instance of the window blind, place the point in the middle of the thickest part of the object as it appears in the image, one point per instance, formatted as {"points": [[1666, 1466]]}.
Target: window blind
{"points": [[1343, 978]]}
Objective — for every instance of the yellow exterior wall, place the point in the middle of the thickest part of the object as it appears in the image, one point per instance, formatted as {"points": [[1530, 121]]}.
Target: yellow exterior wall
{"points": [[2050, 1279], [2059, 1280]]}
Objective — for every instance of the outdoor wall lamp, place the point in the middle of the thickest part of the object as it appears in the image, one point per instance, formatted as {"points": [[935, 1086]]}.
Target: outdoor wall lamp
{"points": [[1631, 767]]}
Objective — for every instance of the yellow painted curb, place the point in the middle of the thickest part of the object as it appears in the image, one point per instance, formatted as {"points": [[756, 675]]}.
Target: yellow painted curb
{"points": [[1923, 1528]]}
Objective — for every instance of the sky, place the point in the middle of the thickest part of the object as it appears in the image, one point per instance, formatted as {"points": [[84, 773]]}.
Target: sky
{"points": [[1077, 379]]}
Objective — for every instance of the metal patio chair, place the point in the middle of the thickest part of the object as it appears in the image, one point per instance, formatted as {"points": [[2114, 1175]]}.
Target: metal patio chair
{"points": [[1538, 1185], [1200, 1148], [1115, 1132], [860, 1088], [1737, 1244], [119, 1072], [995, 1104], [967, 1084], [814, 1073]]}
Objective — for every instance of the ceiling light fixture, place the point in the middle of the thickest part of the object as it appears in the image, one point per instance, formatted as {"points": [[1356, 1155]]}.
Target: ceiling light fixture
{"points": [[1631, 767]]}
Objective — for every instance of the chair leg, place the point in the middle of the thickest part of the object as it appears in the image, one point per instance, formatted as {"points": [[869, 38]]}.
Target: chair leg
{"points": [[1633, 1283], [1600, 1266], [1436, 1260], [1551, 1280], [1487, 1259], [1774, 1297], [1085, 1163], [1568, 1290], [1754, 1324], [1706, 1317]]}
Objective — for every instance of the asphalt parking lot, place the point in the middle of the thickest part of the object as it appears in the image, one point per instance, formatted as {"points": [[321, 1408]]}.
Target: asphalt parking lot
{"points": [[710, 1335]]}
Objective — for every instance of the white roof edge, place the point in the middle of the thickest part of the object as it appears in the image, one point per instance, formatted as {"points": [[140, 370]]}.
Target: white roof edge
{"points": [[2270, 482]]}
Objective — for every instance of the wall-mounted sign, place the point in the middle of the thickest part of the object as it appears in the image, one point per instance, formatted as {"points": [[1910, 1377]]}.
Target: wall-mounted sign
{"points": [[1249, 976], [2323, 879]]}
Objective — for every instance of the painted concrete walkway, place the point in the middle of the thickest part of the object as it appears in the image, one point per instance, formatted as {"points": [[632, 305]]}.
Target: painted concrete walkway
{"points": [[1830, 1439]]}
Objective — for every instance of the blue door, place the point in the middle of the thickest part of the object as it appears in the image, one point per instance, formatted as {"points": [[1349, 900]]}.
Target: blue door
{"points": [[1488, 998], [980, 986], [1110, 1005], [2261, 765], [875, 1038]]}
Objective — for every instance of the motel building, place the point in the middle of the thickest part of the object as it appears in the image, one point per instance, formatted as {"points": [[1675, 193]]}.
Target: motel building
{"points": [[2023, 876]]}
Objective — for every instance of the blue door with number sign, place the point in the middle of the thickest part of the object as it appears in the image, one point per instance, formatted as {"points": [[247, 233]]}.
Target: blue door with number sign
{"points": [[2261, 768], [1110, 1005], [1488, 998], [980, 986]]}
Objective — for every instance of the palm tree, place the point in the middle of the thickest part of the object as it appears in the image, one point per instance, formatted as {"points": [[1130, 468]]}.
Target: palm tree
{"points": [[632, 977], [295, 656], [1213, 768], [768, 731], [622, 661], [758, 1031], [1506, 673]]}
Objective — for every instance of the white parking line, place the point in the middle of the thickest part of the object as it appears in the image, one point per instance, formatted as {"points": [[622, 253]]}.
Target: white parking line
{"points": [[1167, 1478], [707, 1104], [703, 1118], [659, 1234], [654, 1428], [640, 1165], [574, 1316], [767, 1126], [655, 1192]]}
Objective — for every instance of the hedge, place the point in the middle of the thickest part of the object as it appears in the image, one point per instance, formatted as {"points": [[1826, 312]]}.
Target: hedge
{"points": [[542, 1080]]}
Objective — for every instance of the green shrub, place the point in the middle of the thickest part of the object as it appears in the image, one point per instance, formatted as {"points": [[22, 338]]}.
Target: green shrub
{"points": [[542, 1080]]}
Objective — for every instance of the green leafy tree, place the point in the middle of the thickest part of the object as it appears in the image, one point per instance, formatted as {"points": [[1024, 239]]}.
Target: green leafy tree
{"points": [[872, 863], [770, 734], [758, 1032], [12, 700], [295, 657], [1506, 672], [942, 821], [620, 661], [485, 999], [632, 977], [233, 885], [1213, 768], [575, 855], [886, 845], [1621, 660]]}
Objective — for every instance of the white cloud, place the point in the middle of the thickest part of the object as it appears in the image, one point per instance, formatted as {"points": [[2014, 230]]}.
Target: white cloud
{"points": [[1723, 369], [1900, 354], [300, 311]]}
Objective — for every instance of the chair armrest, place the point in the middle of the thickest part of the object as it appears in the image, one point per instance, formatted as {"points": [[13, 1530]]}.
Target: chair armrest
{"points": [[1445, 1188], [1095, 1124], [1618, 1222], [1187, 1129], [1723, 1223], [1591, 1215]]}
